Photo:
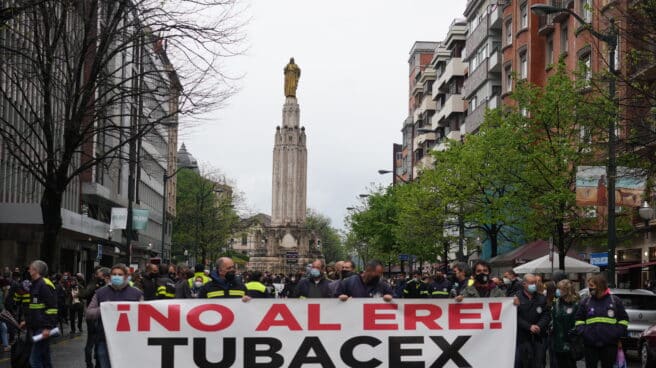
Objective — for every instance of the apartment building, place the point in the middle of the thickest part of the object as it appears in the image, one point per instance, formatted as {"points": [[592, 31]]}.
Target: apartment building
{"points": [[447, 89], [482, 88]]}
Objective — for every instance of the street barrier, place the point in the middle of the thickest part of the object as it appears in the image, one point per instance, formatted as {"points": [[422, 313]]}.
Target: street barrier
{"points": [[326, 333]]}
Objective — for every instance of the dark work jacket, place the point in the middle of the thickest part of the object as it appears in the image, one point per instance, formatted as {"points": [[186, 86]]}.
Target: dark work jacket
{"points": [[602, 322], [439, 289], [532, 312], [354, 287], [256, 289], [307, 288], [221, 288], [42, 311], [514, 288], [415, 289], [149, 287]]}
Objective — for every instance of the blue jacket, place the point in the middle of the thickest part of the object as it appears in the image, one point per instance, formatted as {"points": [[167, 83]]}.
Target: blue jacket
{"points": [[42, 309], [354, 287], [602, 322]]}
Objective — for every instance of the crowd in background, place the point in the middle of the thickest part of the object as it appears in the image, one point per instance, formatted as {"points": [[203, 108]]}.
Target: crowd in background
{"points": [[552, 320]]}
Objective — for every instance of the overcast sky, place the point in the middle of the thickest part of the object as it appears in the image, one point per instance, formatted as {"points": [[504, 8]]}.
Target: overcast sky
{"points": [[353, 94]]}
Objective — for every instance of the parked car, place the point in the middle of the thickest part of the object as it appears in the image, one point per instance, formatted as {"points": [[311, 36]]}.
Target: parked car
{"points": [[640, 305], [647, 346]]}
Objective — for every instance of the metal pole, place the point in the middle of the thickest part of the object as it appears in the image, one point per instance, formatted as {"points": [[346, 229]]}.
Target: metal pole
{"points": [[612, 166], [161, 254]]}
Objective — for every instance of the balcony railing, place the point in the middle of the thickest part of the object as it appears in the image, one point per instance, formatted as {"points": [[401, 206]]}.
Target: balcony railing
{"points": [[454, 104], [475, 79], [495, 17], [455, 68], [494, 64], [545, 24], [475, 118], [477, 35]]}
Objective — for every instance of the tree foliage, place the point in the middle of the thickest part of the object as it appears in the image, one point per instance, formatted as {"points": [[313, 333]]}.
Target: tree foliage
{"points": [[331, 243], [205, 218]]}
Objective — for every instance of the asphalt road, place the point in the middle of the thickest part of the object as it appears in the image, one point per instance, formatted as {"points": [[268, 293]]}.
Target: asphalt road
{"points": [[69, 353]]}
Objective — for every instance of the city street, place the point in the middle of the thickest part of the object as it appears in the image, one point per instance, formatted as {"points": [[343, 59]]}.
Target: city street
{"points": [[66, 352]]}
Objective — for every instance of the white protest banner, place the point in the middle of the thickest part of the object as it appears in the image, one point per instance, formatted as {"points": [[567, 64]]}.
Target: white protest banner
{"points": [[311, 333]]}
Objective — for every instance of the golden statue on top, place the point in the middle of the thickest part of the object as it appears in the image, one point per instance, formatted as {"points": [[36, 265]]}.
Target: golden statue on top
{"points": [[292, 75]]}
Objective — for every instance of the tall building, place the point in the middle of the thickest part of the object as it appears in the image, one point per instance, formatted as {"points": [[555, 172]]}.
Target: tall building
{"points": [[450, 69], [482, 88], [288, 244], [421, 54]]}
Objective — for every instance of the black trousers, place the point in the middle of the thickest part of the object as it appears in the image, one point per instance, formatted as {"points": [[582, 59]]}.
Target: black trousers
{"points": [[563, 360], [531, 354], [606, 355], [76, 312], [91, 341]]}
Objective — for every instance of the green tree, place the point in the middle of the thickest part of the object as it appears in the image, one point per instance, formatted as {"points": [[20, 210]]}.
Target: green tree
{"points": [[205, 217], [557, 129], [331, 243]]}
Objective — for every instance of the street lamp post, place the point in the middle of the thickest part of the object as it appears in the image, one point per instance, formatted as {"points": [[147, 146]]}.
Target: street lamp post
{"points": [[610, 38], [165, 179]]}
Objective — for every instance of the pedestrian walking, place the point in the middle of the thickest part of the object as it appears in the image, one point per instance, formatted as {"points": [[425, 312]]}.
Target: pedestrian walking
{"points": [[532, 324], [315, 285], [100, 280], [76, 309], [563, 316], [368, 285], [119, 290], [41, 317], [602, 320]]}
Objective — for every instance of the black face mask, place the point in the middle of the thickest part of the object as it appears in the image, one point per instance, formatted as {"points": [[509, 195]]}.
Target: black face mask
{"points": [[482, 278], [173, 276], [230, 276], [100, 282], [154, 275], [373, 281], [346, 274]]}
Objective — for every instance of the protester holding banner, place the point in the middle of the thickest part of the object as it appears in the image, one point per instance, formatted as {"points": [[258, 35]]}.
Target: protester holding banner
{"points": [[314, 286], [119, 290], [368, 285], [602, 321], [41, 316], [482, 287], [512, 283], [532, 324], [225, 283], [415, 288], [149, 282]]}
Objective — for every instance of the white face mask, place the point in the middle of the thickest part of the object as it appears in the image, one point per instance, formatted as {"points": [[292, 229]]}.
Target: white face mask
{"points": [[198, 284], [506, 281]]}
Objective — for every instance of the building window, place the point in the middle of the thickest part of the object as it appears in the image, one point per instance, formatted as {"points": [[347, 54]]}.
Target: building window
{"points": [[586, 10], [586, 67], [473, 102], [244, 239], [564, 39], [549, 51], [523, 65], [509, 37], [523, 11], [617, 53], [508, 78]]}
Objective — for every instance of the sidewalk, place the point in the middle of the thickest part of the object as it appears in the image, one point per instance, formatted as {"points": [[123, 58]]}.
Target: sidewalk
{"points": [[66, 352]]}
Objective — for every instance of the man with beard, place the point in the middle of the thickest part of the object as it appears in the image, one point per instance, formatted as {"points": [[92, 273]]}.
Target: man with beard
{"points": [[483, 286], [316, 285], [367, 285], [149, 282]]}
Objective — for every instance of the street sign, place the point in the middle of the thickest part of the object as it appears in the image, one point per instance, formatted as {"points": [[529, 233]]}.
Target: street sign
{"points": [[403, 257], [599, 259], [99, 254], [292, 257]]}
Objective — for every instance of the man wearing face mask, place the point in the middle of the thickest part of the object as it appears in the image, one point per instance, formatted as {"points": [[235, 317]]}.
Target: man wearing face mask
{"points": [[119, 290], [513, 285], [414, 288], [225, 283], [483, 287], [149, 282], [440, 287], [346, 269], [314, 286], [255, 288], [367, 285], [532, 322]]}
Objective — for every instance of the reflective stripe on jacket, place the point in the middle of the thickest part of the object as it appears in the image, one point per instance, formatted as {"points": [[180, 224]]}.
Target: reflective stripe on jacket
{"points": [[602, 322]]}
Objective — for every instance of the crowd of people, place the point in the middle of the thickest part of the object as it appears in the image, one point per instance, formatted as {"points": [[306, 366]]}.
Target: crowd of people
{"points": [[551, 320]]}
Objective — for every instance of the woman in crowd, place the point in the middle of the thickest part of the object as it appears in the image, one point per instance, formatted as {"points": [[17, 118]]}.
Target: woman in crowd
{"points": [[563, 316]]}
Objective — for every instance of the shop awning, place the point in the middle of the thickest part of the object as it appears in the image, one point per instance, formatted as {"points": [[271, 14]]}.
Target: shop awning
{"points": [[646, 264]]}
